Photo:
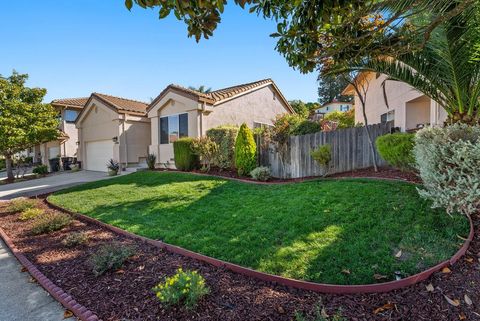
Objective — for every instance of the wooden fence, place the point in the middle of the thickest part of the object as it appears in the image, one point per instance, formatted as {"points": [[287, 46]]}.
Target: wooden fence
{"points": [[350, 150]]}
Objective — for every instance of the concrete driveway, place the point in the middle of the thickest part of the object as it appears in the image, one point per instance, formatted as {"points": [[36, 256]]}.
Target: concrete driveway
{"points": [[49, 184]]}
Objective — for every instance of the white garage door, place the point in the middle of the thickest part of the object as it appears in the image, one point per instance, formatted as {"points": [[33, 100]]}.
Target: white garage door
{"points": [[98, 154], [53, 152]]}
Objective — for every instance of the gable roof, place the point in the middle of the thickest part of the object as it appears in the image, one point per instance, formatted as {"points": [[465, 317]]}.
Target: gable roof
{"points": [[121, 104], [218, 96], [70, 102], [118, 104]]}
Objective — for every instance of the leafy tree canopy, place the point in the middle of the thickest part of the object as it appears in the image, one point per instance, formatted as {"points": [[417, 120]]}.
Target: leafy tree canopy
{"points": [[330, 88], [24, 120], [304, 109], [315, 33]]}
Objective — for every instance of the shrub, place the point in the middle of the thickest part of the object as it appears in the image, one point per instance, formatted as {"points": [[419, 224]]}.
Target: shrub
{"points": [[186, 287], [30, 213], [306, 127], [21, 204], [3, 163], [205, 149], [151, 159], [397, 150], [184, 154], [261, 173], [245, 151], [341, 119], [323, 156], [40, 170], [283, 126], [224, 137], [110, 257], [50, 222], [113, 165], [448, 160], [74, 239]]}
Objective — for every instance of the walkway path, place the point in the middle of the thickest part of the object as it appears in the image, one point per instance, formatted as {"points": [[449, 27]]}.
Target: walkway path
{"points": [[21, 300]]}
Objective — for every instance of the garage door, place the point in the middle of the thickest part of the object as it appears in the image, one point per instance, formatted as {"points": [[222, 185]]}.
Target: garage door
{"points": [[98, 154]]}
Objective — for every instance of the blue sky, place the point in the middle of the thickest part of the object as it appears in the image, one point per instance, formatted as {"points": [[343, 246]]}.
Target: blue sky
{"points": [[73, 48]]}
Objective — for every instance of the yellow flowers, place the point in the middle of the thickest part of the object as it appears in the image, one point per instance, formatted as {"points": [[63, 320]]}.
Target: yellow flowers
{"points": [[185, 287]]}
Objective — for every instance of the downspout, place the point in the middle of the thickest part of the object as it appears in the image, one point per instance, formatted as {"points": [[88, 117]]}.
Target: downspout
{"points": [[201, 119], [124, 134]]}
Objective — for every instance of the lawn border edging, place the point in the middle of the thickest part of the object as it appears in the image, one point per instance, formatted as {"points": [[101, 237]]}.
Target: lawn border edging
{"points": [[304, 285], [58, 293]]}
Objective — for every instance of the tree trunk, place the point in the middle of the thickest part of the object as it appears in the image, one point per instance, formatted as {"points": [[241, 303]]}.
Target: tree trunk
{"points": [[8, 163], [372, 147], [463, 118]]}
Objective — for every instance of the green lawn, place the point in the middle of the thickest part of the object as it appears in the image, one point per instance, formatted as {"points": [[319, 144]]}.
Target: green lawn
{"points": [[311, 231]]}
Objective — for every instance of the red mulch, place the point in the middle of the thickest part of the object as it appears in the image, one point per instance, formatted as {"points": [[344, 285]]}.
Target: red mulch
{"points": [[383, 172], [126, 294]]}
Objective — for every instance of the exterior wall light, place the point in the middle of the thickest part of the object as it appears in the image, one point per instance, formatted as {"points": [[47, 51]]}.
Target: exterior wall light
{"points": [[115, 140]]}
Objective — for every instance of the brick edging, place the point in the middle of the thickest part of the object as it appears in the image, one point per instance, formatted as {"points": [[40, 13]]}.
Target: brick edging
{"points": [[289, 180], [61, 296], [304, 285]]}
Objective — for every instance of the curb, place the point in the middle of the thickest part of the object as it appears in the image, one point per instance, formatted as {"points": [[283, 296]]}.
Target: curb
{"points": [[304, 285], [61, 296], [287, 181]]}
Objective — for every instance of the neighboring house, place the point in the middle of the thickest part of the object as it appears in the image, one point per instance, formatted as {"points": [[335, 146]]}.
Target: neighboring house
{"points": [[112, 128], [407, 107], [331, 107], [334, 106], [181, 112], [66, 145]]}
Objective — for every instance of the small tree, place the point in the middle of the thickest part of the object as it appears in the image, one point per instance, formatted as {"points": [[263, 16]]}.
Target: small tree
{"points": [[245, 151], [24, 120]]}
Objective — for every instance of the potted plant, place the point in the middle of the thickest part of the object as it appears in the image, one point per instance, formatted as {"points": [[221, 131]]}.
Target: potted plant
{"points": [[113, 167]]}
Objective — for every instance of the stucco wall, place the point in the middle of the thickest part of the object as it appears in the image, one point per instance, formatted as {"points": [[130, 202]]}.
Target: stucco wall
{"points": [[69, 147], [171, 104], [99, 122], [261, 106], [417, 112], [398, 94], [137, 138]]}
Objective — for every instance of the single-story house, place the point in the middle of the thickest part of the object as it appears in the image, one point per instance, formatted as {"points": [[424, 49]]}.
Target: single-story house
{"points": [[66, 144], [112, 128], [180, 112], [407, 107]]}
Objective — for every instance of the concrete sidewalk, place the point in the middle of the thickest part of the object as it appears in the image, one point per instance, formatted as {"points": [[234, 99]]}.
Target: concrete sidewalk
{"points": [[50, 184], [21, 300]]}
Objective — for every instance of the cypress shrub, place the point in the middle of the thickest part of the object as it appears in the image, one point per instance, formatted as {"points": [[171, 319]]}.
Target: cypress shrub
{"points": [[245, 151], [224, 137], [397, 150], [185, 157]]}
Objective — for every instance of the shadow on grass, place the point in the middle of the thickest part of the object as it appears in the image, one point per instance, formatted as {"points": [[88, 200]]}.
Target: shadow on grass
{"points": [[340, 232]]}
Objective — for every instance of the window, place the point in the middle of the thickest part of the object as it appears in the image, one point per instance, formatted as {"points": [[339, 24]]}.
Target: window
{"points": [[344, 107], [173, 127], [387, 116], [328, 108], [261, 125], [70, 115]]}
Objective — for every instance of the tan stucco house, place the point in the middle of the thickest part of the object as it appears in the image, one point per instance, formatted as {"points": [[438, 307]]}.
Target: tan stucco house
{"points": [[181, 112], [112, 128], [407, 107], [66, 145]]}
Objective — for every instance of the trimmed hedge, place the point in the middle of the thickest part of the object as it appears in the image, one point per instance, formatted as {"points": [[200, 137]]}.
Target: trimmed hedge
{"points": [[307, 127], [245, 151], [397, 150], [224, 137], [185, 157]]}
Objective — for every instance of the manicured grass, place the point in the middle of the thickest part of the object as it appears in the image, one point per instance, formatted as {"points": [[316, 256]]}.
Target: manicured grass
{"points": [[343, 231]]}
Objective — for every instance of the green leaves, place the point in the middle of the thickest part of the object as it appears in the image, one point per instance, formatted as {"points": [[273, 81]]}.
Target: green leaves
{"points": [[129, 4]]}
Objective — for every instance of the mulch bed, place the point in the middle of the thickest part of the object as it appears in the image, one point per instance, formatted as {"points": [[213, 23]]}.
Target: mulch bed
{"points": [[383, 172], [126, 294]]}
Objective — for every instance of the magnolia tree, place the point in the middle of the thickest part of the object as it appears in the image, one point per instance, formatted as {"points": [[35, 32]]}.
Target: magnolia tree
{"points": [[24, 120]]}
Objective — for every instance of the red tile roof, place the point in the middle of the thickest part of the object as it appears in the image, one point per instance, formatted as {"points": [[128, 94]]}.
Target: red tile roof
{"points": [[217, 96], [122, 104], [70, 102]]}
